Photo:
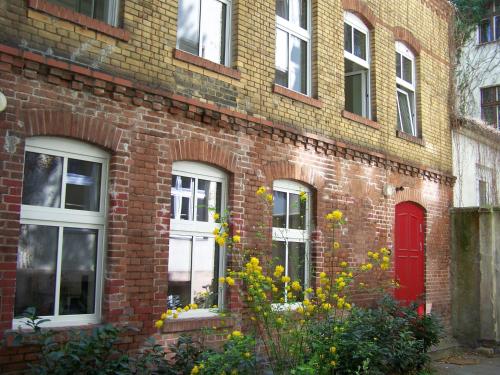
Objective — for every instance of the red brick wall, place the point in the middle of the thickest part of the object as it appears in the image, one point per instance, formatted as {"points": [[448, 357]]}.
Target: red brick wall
{"points": [[144, 132]]}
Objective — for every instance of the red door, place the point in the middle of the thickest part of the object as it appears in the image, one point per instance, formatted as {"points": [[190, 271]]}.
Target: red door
{"points": [[409, 253]]}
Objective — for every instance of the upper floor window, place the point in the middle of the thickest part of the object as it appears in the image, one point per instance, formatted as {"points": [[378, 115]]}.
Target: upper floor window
{"points": [[63, 219], [405, 89], [103, 10], [490, 106], [356, 65], [489, 28], [203, 29], [195, 260], [293, 45], [486, 194], [291, 230]]}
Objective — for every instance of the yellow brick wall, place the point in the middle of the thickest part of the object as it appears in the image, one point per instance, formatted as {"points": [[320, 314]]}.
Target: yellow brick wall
{"points": [[148, 57]]}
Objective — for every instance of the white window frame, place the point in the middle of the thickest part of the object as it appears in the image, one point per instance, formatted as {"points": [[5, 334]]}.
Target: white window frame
{"points": [[304, 35], [356, 23], [295, 235], [193, 228], [205, 24], [406, 87], [485, 174], [494, 104], [495, 13], [49, 216]]}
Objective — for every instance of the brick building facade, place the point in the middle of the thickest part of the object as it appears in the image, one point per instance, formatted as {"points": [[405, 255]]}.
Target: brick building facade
{"points": [[121, 96]]}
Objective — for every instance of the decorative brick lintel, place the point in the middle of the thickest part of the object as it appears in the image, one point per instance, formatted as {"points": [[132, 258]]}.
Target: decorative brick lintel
{"points": [[206, 64], [78, 18], [362, 120], [15, 60], [297, 96], [410, 138]]}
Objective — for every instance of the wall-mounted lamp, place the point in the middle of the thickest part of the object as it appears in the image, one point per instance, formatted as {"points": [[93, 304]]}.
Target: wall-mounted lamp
{"points": [[3, 102], [389, 190]]}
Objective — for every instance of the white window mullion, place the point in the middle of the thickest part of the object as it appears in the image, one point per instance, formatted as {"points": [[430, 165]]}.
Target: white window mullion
{"points": [[63, 182], [191, 300], [60, 240], [200, 30]]}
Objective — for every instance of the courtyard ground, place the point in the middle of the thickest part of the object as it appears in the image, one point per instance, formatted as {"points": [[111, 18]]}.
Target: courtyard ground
{"points": [[468, 363]]}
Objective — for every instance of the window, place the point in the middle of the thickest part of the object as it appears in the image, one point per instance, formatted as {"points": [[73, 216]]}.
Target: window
{"points": [[291, 227], [195, 260], [63, 220], [103, 10], [405, 90], [485, 186], [356, 66], [490, 106], [489, 28], [293, 45], [203, 29]]}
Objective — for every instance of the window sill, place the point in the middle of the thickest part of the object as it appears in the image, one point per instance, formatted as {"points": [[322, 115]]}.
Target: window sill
{"points": [[277, 89], [194, 324], [206, 64], [360, 119], [488, 43], [410, 138], [79, 19]]}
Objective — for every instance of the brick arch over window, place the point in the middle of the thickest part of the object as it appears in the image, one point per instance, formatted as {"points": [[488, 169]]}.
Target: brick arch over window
{"points": [[284, 170], [53, 122], [406, 36], [412, 195], [362, 10], [198, 150]]}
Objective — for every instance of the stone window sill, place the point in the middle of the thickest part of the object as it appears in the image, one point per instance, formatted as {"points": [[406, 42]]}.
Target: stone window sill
{"points": [[194, 324], [360, 119], [410, 138], [79, 19], [297, 96], [206, 64]]}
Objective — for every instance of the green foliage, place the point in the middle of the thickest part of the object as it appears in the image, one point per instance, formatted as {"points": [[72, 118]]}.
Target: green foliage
{"points": [[468, 15], [185, 353]]}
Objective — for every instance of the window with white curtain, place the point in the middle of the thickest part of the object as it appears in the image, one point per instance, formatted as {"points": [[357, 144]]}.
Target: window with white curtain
{"points": [[195, 260], [356, 65], [405, 90], [62, 237], [203, 29], [293, 45]]}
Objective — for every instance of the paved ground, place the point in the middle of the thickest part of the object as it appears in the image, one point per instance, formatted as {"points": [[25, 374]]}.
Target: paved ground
{"points": [[468, 364]]}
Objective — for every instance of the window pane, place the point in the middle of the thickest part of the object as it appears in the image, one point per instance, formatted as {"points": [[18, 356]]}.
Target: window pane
{"points": [[485, 31], [281, 58], [296, 261], [489, 115], [213, 38], [181, 198], [188, 26], [179, 272], [203, 275], [298, 64], [102, 10], [488, 95], [298, 13], [36, 269], [297, 212], [83, 185], [78, 271], [359, 44], [279, 209], [483, 193], [407, 70], [279, 258], [398, 65], [498, 117], [497, 27], [282, 8], [405, 113], [347, 38], [353, 93], [207, 195], [42, 180]]}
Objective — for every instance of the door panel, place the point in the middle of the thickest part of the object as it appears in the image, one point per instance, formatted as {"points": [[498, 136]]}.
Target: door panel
{"points": [[409, 253]]}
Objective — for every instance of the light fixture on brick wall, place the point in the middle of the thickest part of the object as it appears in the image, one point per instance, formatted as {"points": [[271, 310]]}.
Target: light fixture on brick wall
{"points": [[3, 102], [389, 190]]}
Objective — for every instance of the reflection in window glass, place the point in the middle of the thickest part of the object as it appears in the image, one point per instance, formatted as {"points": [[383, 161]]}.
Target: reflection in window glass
{"points": [[298, 13], [281, 58], [36, 269], [298, 64], [405, 116], [279, 258], [282, 8], [42, 180], [485, 31], [359, 44], [83, 185], [181, 197], [297, 212], [188, 26], [203, 272], [348, 38], [407, 70], [296, 261], [208, 198], [78, 271], [213, 39], [398, 65], [279, 209], [353, 93]]}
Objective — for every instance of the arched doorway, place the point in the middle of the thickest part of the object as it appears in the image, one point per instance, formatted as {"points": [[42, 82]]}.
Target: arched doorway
{"points": [[409, 253]]}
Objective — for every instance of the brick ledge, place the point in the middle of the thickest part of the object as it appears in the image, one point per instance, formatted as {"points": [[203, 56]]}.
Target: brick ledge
{"points": [[410, 138], [79, 19], [33, 65], [206, 64], [360, 119], [297, 96]]}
